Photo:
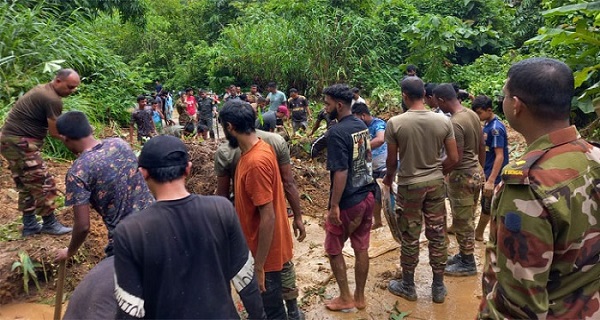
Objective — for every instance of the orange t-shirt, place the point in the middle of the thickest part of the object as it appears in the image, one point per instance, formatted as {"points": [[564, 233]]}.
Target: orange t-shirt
{"points": [[258, 182]]}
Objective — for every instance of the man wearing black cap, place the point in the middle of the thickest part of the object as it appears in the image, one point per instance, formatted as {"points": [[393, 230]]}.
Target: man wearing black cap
{"points": [[175, 259]]}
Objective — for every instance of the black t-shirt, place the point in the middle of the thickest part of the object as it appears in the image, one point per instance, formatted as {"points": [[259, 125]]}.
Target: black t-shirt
{"points": [[175, 259], [94, 296], [349, 148], [269, 121], [299, 108], [205, 108]]}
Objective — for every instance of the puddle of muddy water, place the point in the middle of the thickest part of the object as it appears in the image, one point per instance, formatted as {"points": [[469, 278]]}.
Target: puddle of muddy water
{"points": [[27, 311]]}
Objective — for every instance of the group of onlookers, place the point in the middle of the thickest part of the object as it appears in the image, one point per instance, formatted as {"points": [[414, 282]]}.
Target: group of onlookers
{"points": [[172, 254]]}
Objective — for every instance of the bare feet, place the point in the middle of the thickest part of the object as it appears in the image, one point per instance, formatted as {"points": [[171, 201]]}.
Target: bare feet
{"points": [[337, 304], [376, 225], [360, 303]]}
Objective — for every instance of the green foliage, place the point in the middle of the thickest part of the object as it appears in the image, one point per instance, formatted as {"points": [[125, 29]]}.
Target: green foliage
{"points": [[37, 40], [386, 100], [487, 74], [576, 40], [11, 230], [26, 268], [434, 40]]}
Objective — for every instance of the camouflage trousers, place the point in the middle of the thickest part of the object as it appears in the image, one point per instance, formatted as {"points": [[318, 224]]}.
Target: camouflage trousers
{"points": [[288, 281], [463, 191], [415, 203], [37, 189]]}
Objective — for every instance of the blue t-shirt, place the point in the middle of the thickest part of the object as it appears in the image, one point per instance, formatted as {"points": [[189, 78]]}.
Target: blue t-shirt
{"points": [[494, 134], [276, 99], [268, 123], [379, 154]]}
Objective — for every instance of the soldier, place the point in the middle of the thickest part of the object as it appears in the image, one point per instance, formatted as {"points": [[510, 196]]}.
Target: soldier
{"points": [[543, 257], [465, 178], [28, 122], [417, 137]]}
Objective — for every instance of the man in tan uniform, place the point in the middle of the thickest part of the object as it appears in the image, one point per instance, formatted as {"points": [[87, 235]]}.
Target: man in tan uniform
{"points": [[465, 178]]}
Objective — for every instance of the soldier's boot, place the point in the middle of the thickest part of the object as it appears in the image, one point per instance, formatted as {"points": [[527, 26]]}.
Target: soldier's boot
{"points": [[53, 226], [464, 267], [453, 259], [294, 313], [481, 225], [438, 289], [404, 288], [30, 225]]}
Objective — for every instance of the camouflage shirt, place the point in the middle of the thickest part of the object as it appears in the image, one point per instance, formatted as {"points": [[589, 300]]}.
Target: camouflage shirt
{"points": [[107, 178], [543, 257]]}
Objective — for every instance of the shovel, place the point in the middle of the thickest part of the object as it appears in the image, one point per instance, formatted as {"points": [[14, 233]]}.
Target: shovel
{"points": [[59, 290]]}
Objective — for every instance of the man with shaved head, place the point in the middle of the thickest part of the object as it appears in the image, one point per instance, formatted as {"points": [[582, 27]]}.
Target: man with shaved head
{"points": [[29, 121]]}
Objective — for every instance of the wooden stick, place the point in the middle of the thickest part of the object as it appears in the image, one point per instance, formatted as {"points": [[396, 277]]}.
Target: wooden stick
{"points": [[62, 270]]}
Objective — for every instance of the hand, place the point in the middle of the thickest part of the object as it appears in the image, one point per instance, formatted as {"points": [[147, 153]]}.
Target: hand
{"points": [[299, 231], [387, 180], [333, 216], [61, 255], [488, 188], [260, 278]]}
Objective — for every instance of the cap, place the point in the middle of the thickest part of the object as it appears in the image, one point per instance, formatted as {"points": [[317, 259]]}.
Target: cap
{"points": [[163, 151], [283, 109]]}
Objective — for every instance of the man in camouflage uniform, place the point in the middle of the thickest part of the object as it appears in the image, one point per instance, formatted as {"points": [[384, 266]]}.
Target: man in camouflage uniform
{"points": [[421, 191], [28, 122], [465, 178], [543, 257]]}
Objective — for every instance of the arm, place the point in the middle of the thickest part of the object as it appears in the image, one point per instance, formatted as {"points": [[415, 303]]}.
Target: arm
{"points": [[339, 184], [379, 140], [496, 167], [128, 282], [52, 128], [315, 127], [391, 164], [291, 193], [265, 238], [452, 155], [223, 184], [131, 133], [519, 257], [81, 228], [481, 153]]}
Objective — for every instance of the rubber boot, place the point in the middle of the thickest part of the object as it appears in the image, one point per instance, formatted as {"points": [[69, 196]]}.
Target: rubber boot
{"points": [[464, 267], [52, 226], [404, 288], [30, 225], [438, 289], [294, 313], [481, 225]]}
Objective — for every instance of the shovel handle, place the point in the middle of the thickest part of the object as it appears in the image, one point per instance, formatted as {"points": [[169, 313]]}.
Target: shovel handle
{"points": [[62, 269]]}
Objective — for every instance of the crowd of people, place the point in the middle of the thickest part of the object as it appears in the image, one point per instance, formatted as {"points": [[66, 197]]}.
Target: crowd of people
{"points": [[173, 254]]}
